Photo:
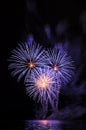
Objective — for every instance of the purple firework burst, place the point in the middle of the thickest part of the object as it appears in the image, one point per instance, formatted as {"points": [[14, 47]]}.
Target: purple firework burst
{"points": [[41, 87], [27, 58], [61, 64]]}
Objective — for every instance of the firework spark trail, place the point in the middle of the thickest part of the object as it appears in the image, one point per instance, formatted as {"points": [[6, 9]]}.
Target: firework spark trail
{"points": [[42, 86], [27, 58], [61, 64]]}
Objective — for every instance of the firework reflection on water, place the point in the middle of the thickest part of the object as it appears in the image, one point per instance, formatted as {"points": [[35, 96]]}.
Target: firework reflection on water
{"points": [[54, 125]]}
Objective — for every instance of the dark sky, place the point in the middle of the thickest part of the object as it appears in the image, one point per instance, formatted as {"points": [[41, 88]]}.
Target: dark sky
{"points": [[17, 21]]}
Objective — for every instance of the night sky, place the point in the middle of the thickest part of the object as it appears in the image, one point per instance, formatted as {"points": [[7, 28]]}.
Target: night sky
{"points": [[18, 20]]}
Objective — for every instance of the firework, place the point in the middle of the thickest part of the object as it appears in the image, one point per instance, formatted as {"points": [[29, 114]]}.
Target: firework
{"points": [[27, 58], [61, 64], [42, 86]]}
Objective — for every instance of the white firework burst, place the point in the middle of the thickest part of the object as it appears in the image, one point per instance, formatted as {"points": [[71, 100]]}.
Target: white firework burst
{"points": [[27, 58], [61, 64], [42, 86]]}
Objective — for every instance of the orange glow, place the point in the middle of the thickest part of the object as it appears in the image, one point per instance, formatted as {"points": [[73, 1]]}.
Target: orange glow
{"points": [[43, 82], [44, 122], [55, 68], [31, 65]]}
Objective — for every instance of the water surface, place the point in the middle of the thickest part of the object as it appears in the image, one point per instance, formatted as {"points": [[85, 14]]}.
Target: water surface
{"points": [[54, 125]]}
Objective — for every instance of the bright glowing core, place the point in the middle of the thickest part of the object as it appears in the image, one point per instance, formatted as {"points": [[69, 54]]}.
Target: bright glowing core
{"points": [[31, 65], [55, 68], [45, 122], [43, 82]]}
